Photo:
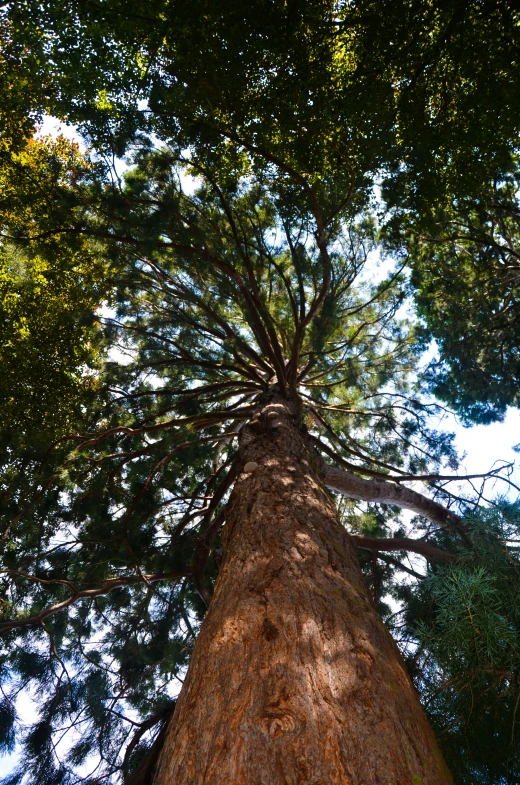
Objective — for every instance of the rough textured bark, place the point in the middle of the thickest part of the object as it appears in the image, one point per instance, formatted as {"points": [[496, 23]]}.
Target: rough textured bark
{"points": [[294, 679]]}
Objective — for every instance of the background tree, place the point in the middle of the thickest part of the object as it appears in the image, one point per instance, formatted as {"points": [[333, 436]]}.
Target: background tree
{"points": [[340, 91], [50, 290], [465, 266], [20, 87]]}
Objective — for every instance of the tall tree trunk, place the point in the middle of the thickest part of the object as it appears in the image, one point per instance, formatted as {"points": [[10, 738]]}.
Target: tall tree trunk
{"points": [[294, 679]]}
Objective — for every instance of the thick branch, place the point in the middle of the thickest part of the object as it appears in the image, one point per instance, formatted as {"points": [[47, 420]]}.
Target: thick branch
{"points": [[389, 493], [430, 552], [161, 716]]}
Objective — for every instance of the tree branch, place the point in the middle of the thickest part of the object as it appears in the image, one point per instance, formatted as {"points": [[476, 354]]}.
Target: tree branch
{"points": [[389, 493], [400, 566], [198, 421], [430, 552], [108, 586]]}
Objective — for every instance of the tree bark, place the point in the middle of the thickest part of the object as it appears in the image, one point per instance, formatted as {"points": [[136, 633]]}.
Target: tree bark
{"points": [[294, 679]]}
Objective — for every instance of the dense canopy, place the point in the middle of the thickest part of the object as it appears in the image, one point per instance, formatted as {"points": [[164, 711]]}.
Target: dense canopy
{"points": [[420, 98]]}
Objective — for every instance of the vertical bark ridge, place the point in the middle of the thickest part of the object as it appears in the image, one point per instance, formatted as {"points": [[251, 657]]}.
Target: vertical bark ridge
{"points": [[294, 679]]}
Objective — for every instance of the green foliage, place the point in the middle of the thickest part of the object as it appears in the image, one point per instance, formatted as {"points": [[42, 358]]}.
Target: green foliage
{"points": [[337, 90], [49, 291], [466, 274], [7, 731], [20, 91], [466, 624]]}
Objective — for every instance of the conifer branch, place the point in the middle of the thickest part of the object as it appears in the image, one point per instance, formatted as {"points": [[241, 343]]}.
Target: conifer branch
{"points": [[399, 565], [412, 477], [203, 547], [430, 552], [198, 421], [321, 238], [233, 387], [255, 290], [349, 449], [224, 324], [89, 594], [351, 467]]}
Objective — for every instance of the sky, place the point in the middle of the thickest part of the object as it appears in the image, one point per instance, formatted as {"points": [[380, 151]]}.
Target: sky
{"points": [[484, 444]]}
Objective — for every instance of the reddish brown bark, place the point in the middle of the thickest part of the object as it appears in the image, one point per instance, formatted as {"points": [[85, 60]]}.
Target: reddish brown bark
{"points": [[294, 679]]}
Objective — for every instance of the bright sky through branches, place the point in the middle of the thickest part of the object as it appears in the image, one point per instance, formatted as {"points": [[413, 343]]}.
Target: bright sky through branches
{"points": [[481, 445]]}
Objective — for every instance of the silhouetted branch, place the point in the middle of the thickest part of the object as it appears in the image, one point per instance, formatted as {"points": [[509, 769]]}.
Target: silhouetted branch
{"points": [[108, 586]]}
